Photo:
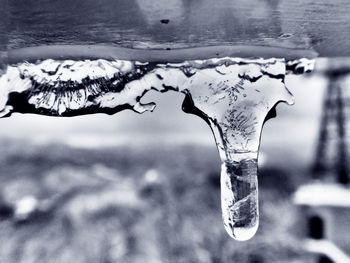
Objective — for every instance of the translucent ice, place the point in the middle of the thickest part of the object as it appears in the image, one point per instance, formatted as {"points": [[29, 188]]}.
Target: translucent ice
{"points": [[234, 96]]}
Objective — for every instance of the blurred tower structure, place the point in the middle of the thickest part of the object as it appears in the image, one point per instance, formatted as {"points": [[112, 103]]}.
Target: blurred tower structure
{"points": [[332, 149], [324, 204]]}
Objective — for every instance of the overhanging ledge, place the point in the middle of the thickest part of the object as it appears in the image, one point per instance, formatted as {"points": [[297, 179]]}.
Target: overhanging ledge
{"points": [[61, 52]]}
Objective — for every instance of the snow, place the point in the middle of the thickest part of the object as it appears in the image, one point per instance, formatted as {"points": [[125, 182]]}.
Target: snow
{"points": [[323, 194], [327, 248]]}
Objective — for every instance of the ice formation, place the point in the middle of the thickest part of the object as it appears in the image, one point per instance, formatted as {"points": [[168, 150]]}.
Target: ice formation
{"points": [[234, 96]]}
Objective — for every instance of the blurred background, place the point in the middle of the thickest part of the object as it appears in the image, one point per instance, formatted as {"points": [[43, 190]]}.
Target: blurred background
{"points": [[145, 188], [132, 188]]}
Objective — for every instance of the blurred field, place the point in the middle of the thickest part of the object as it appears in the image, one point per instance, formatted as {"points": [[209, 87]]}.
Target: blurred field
{"points": [[86, 198], [122, 204]]}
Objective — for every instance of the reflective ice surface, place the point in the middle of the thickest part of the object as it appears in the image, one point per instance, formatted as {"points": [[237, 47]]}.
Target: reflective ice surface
{"points": [[234, 96]]}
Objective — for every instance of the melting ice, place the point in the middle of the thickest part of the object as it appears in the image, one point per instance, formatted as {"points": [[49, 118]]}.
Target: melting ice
{"points": [[234, 96]]}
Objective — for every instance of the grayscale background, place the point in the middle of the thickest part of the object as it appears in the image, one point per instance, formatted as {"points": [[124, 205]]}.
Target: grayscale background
{"points": [[145, 188]]}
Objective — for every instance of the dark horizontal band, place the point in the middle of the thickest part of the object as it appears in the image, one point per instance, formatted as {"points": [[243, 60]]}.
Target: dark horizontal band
{"points": [[152, 55]]}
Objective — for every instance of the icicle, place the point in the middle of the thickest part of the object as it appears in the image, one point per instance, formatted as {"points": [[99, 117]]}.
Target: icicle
{"points": [[234, 96]]}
